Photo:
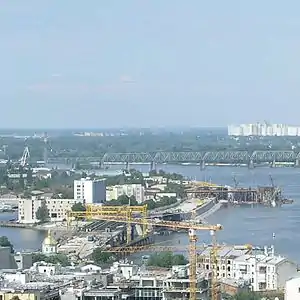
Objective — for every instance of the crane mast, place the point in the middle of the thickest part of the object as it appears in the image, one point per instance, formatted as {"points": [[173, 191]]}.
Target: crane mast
{"points": [[123, 214], [24, 159]]}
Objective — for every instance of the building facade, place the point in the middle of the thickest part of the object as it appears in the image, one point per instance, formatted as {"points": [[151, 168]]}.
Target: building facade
{"points": [[292, 289], [136, 190], [90, 191], [58, 209], [263, 129], [264, 271]]}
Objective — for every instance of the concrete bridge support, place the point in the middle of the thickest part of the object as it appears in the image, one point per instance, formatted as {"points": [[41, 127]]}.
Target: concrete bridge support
{"points": [[273, 164], [152, 166], [202, 165], [251, 164], [127, 166], [101, 164], [297, 163]]}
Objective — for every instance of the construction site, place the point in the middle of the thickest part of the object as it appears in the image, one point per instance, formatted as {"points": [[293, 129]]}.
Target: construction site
{"points": [[263, 195], [213, 269], [133, 216]]}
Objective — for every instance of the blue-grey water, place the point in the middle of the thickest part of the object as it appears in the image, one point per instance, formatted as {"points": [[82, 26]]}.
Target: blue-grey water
{"points": [[241, 224]]}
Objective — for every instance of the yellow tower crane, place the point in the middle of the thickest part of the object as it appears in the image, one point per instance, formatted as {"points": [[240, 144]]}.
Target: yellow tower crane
{"points": [[190, 226], [115, 211]]}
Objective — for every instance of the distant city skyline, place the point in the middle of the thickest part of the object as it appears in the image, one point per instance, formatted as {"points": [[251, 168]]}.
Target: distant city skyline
{"points": [[150, 64]]}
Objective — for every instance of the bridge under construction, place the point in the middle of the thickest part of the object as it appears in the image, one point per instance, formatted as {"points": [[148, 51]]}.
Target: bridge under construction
{"points": [[251, 159]]}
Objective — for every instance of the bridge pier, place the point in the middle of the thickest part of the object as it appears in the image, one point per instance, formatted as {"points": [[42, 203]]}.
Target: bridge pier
{"points": [[251, 164], [297, 163], [152, 166], [273, 164], [101, 164], [127, 166], [202, 165]]}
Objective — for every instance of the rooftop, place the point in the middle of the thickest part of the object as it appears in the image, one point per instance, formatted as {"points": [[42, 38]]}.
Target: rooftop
{"points": [[262, 258]]}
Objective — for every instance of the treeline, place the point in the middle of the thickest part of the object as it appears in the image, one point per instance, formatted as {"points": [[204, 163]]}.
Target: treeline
{"points": [[196, 140], [125, 200]]}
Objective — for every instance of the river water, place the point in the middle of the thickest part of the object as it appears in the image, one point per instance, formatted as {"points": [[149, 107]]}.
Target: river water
{"points": [[242, 225]]}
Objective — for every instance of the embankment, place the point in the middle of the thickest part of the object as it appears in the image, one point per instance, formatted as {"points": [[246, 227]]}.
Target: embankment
{"points": [[203, 211]]}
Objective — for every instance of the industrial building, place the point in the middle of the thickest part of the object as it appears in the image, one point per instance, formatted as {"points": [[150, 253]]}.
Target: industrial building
{"points": [[136, 190], [58, 209], [263, 129], [90, 190]]}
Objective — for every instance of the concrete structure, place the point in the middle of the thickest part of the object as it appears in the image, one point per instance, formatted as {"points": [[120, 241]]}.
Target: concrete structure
{"points": [[292, 289], [49, 245], [224, 266], [58, 209], [261, 269], [136, 190], [90, 191], [264, 271], [263, 129]]}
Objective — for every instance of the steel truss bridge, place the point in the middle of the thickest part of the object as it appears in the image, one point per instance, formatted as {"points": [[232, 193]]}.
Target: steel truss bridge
{"points": [[205, 157]]}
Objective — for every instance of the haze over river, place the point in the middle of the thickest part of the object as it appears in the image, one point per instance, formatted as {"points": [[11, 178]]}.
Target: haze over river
{"points": [[242, 225]]}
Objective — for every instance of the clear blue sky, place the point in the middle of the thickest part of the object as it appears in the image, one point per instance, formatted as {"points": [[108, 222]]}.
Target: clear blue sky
{"points": [[148, 63]]}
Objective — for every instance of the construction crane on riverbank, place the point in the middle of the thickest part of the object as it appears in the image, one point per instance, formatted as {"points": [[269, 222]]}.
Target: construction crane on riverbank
{"points": [[192, 227]]}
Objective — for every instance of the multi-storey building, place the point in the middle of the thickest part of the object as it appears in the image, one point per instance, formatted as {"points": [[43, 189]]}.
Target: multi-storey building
{"points": [[263, 129], [263, 270], [226, 256], [30, 291], [136, 190], [58, 209], [292, 289], [90, 191]]}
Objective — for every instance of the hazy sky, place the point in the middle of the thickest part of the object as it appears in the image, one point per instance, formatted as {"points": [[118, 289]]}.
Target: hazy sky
{"points": [[117, 63]]}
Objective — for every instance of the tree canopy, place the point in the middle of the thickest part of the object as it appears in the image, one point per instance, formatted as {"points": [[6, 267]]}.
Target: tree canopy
{"points": [[42, 214], [246, 296], [61, 259], [100, 256], [4, 242], [78, 207], [166, 260]]}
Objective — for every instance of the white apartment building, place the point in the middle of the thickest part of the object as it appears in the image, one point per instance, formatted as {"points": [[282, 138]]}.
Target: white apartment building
{"points": [[136, 190], [90, 191], [264, 272], [263, 129], [58, 209], [224, 266], [292, 289]]}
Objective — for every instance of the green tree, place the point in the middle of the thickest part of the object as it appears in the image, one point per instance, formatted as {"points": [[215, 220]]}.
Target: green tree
{"points": [[100, 256], [78, 207], [175, 188], [42, 183], [4, 242], [42, 214], [61, 259], [166, 259], [246, 296]]}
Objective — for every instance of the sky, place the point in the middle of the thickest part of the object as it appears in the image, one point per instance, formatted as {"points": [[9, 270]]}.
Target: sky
{"points": [[146, 63]]}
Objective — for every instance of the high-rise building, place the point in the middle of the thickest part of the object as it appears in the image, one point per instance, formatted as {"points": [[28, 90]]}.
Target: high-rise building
{"points": [[263, 129], [136, 190], [90, 191]]}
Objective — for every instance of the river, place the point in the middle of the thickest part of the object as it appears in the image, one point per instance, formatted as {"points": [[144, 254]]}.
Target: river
{"points": [[242, 225]]}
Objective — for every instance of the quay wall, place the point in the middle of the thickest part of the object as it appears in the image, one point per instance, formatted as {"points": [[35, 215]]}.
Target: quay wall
{"points": [[201, 210]]}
